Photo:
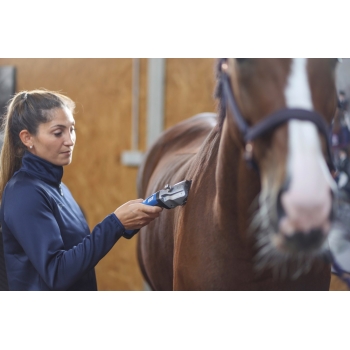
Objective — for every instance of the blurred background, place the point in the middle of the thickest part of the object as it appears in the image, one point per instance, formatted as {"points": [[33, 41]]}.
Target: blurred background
{"points": [[122, 104]]}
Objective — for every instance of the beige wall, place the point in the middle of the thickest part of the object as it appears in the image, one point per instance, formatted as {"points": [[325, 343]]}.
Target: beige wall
{"points": [[102, 91]]}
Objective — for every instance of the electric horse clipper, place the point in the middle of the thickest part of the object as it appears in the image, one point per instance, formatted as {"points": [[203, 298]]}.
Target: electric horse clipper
{"points": [[170, 197]]}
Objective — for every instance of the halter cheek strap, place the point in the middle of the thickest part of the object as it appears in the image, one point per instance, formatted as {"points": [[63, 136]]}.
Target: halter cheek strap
{"points": [[270, 122]]}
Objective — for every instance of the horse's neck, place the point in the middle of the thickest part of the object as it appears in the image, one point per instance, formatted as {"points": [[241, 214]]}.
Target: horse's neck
{"points": [[237, 186]]}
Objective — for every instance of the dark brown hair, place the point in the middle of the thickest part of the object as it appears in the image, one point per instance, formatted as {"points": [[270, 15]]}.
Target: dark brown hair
{"points": [[26, 111]]}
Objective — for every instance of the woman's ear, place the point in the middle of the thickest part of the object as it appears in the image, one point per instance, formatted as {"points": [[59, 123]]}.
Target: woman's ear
{"points": [[26, 138]]}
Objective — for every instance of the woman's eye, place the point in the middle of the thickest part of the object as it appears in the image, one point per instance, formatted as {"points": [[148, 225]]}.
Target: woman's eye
{"points": [[58, 134], [72, 130]]}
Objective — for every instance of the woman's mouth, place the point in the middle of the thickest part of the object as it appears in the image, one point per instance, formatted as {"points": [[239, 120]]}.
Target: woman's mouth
{"points": [[67, 153]]}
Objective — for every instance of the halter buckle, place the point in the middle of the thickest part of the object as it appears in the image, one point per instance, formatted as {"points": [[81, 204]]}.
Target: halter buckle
{"points": [[248, 152], [224, 67]]}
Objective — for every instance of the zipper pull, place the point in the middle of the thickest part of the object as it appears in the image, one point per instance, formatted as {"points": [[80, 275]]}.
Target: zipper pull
{"points": [[60, 188]]}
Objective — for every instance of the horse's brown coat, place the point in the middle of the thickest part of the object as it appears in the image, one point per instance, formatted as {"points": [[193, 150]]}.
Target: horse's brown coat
{"points": [[204, 245]]}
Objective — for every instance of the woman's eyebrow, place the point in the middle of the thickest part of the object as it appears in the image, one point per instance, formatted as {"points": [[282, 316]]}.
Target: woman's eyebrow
{"points": [[61, 126], [58, 126]]}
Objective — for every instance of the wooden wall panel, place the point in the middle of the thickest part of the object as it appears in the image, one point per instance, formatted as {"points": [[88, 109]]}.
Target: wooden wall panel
{"points": [[189, 90], [101, 89]]}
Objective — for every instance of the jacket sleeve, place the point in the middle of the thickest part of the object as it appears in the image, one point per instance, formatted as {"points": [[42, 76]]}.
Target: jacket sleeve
{"points": [[28, 213]]}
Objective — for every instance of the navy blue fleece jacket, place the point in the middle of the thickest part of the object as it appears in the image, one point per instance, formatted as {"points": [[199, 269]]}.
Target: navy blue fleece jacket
{"points": [[47, 241]]}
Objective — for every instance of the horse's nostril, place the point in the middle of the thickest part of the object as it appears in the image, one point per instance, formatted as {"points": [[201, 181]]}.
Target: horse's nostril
{"points": [[280, 210], [301, 241]]}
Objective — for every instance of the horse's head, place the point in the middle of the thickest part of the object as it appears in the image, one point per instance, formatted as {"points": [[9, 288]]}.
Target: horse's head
{"points": [[280, 111]]}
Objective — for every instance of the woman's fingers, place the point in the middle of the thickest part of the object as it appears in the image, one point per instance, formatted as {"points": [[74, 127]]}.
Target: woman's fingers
{"points": [[134, 214]]}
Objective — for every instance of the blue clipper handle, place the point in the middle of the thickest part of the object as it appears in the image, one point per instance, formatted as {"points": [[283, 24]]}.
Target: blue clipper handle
{"points": [[163, 200], [151, 200]]}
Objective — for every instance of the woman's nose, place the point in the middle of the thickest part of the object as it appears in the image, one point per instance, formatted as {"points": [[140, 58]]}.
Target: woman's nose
{"points": [[70, 139]]}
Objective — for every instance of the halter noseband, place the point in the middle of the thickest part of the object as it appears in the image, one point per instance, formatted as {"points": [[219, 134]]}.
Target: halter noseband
{"points": [[271, 121]]}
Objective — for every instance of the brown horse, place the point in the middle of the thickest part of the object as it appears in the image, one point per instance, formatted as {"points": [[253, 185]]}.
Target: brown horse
{"points": [[247, 228]]}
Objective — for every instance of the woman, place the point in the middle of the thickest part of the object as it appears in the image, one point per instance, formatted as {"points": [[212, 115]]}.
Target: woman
{"points": [[47, 242]]}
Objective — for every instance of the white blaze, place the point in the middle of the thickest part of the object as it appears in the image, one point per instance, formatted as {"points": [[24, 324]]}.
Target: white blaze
{"points": [[297, 91], [307, 202]]}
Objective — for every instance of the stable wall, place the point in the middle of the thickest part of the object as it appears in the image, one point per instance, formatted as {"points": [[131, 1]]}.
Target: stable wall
{"points": [[102, 91]]}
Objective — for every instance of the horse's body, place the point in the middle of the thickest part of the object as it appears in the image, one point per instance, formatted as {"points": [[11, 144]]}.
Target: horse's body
{"points": [[205, 244]]}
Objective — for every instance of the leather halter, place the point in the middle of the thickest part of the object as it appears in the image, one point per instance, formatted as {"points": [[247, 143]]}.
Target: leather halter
{"points": [[270, 122]]}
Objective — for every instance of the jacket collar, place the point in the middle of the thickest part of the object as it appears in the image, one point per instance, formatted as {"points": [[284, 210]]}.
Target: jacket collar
{"points": [[41, 168]]}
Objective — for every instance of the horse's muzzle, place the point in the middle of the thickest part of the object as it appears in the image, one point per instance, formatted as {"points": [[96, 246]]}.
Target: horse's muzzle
{"points": [[302, 232]]}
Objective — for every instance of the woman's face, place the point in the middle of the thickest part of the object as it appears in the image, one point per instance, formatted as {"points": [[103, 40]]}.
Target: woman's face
{"points": [[55, 139]]}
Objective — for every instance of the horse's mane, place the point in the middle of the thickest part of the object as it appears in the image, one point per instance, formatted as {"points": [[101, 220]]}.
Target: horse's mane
{"points": [[206, 151], [218, 93]]}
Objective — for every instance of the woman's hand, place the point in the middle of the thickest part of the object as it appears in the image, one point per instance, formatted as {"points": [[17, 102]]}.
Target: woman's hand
{"points": [[134, 214]]}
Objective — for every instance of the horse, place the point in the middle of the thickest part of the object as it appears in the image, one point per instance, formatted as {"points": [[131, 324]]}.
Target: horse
{"points": [[262, 198]]}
